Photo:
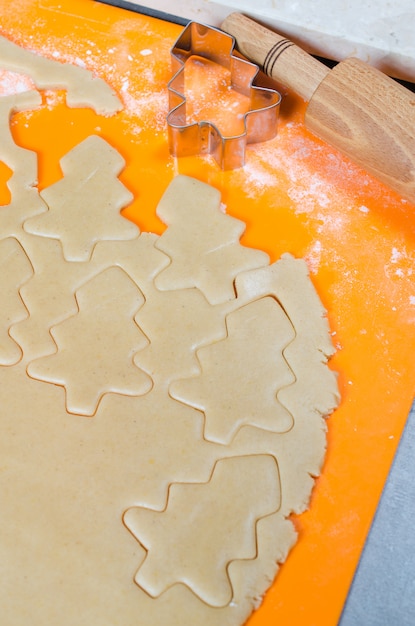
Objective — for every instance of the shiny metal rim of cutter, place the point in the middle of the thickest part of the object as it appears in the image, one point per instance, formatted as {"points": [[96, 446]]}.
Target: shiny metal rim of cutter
{"points": [[260, 121]]}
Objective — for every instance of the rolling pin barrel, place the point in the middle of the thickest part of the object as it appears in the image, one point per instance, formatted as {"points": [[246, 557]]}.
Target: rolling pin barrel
{"points": [[354, 107]]}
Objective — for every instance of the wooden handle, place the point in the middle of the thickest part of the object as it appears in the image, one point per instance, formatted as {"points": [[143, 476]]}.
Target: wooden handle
{"points": [[279, 57], [354, 107]]}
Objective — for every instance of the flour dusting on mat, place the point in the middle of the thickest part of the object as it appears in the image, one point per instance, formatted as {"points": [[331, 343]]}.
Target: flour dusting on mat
{"points": [[146, 108], [313, 256], [13, 83], [312, 177]]}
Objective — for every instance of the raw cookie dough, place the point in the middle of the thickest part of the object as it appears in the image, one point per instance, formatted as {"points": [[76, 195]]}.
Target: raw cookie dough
{"points": [[25, 200], [90, 173], [107, 363], [207, 235], [197, 554], [224, 373], [125, 497], [15, 271], [148, 455], [82, 87]]}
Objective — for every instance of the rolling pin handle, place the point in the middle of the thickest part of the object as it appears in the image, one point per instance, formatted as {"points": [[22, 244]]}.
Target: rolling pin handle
{"points": [[353, 107], [279, 57]]}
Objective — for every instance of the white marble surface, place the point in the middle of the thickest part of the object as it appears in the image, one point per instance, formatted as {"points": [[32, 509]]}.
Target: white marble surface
{"points": [[380, 32]]}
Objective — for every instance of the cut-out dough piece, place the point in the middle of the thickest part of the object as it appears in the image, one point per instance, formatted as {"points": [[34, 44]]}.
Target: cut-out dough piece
{"points": [[175, 322], [83, 88], [242, 374], [183, 548], [15, 270], [49, 295], [138, 257], [84, 206], [95, 347], [202, 241], [191, 322], [289, 282]]}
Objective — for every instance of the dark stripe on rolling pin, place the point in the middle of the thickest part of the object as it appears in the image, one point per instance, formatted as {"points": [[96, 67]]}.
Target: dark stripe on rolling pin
{"points": [[274, 53]]}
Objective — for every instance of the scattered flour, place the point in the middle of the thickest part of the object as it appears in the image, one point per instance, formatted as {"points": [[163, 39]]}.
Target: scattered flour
{"points": [[396, 255], [313, 256], [144, 107], [12, 83]]}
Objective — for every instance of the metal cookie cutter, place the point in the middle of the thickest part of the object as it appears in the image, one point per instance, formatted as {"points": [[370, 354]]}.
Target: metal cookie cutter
{"points": [[260, 121]]}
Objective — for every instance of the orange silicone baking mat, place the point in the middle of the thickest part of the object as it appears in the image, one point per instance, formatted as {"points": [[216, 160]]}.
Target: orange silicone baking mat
{"points": [[296, 195]]}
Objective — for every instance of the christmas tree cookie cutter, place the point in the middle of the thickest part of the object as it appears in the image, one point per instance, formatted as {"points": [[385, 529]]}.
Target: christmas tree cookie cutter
{"points": [[203, 137]]}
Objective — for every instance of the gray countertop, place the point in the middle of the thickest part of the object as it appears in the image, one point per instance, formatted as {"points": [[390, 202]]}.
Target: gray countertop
{"points": [[383, 589]]}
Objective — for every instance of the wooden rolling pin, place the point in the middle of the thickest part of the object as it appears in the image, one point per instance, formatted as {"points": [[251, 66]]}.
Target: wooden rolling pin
{"points": [[354, 107]]}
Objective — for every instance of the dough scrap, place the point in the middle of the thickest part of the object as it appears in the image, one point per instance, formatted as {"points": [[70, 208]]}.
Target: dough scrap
{"points": [[83, 88], [288, 281], [70, 482], [25, 199], [19, 160]]}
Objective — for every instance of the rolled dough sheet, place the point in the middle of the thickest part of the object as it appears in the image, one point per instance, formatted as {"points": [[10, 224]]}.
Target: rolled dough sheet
{"points": [[128, 494]]}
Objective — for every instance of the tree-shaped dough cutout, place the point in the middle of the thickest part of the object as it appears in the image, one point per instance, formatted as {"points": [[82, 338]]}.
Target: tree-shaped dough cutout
{"points": [[84, 206], [96, 347], [205, 527], [202, 241], [234, 389]]}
